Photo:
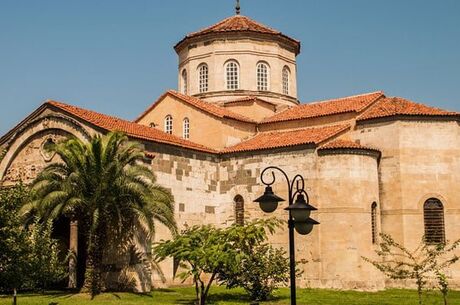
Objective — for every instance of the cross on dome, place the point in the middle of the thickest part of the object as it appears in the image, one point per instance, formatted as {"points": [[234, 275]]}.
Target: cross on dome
{"points": [[238, 7]]}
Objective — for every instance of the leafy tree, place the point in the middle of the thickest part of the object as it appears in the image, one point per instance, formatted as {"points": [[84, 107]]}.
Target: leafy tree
{"points": [[45, 264], [104, 186], [206, 250], [398, 262], [14, 250], [259, 272], [443, 285]]}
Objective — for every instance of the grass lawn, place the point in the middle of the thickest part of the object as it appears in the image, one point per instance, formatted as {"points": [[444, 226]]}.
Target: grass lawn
{"points": [[221, 296]]}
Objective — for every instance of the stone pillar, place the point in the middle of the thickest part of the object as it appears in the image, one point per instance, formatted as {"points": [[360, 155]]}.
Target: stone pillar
{"points": [[73, 247]]}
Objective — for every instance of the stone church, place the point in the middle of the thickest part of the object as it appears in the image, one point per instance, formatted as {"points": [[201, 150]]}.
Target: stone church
{"points": [[372, 162]]}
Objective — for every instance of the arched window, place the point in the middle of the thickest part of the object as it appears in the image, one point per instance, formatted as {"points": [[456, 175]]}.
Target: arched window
{"points": [[232, 75], [286, 80], [184, 81], [203, 77], [168, 124], [239, 209], [374, 222], [186, 128], [262, 76], [433, 216]]}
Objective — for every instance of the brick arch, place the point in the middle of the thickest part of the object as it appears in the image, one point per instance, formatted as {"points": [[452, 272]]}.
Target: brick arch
{"points": [[36, 127]]}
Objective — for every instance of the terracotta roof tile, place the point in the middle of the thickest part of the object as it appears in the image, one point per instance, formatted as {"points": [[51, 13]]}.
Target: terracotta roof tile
{"points": [[238, 23], [134, 130], [267, 140], [395, 106], [215, 110], [355, 103], [345, 144], [250, 98]]}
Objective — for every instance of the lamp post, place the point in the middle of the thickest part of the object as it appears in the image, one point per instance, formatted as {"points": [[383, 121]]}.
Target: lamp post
{"points": [[299, 213]]}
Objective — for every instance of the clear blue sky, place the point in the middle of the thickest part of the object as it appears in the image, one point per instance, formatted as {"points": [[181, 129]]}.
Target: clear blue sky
{"points": [[116, 57]]}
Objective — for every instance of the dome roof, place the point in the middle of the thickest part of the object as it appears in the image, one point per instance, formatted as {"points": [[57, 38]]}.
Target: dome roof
{"points": [[239, 24]]}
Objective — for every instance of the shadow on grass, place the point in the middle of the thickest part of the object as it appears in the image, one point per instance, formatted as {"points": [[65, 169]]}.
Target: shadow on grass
{"points": [[234, 297]]}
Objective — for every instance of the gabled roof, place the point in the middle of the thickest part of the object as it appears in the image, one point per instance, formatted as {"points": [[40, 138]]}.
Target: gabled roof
{"points": [[199, 104], [279, 139], [250, 98], [110, 123], [356, 103], [396, 106], [345, 144], [239, 23]]}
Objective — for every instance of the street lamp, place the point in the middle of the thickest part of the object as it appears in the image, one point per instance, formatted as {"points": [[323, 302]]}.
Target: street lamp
{"points": [[299, 213]]}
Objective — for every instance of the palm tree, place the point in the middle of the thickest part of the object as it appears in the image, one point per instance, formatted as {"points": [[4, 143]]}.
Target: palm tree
{"points": [[102, 185]]}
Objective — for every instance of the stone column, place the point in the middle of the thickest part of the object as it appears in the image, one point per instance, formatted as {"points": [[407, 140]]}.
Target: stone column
{"points": [[73, 247]]}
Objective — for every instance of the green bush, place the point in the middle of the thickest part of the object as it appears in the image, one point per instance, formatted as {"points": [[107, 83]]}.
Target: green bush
{"points": [[29, 257]]}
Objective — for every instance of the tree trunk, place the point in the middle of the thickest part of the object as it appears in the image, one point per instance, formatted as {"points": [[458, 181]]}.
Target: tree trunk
{"points": [[93, 275], [73, 247]]}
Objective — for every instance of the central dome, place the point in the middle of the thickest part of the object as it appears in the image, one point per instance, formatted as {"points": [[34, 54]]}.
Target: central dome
{"points": [[238, 57]]}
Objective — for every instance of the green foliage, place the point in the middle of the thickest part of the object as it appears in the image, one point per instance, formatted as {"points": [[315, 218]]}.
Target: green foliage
{"points": [[104, 186], [398, 262], [260, 268], [14, 250], [443, 285], [29, 257], [259, 272], [208, 250], [46, 267]]}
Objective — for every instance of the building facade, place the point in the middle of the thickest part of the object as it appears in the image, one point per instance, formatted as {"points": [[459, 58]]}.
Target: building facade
{"points": [[372, 163]]}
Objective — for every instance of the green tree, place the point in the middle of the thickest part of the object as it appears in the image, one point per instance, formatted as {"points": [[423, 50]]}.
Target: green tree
{"points": [[45, 264], [103, 185], [208, 251], [14, 249], [398, 262]]}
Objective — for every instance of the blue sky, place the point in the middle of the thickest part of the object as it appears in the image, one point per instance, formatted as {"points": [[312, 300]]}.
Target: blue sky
{"points": [[116, 57]]}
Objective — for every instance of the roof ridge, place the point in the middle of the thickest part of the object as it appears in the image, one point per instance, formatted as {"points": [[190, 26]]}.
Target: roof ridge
{"points": [[394, 106], [133, 129], [225, 112], [343, 98], [191, 100]]}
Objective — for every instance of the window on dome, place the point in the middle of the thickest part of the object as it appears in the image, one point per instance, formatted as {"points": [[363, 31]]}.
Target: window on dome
{"points": [[232, 75], [168, 124], [186, 129], [262, 77], [184, 81], [433, 216], [203, 77], [374, 222], [286, 80]]}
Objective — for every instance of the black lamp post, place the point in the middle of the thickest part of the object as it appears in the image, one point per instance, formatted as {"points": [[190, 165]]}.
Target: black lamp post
{"points": [[299, 213]]}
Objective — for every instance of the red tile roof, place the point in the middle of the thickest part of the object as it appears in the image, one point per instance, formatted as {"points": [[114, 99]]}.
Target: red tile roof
{"points": [[356, 103], [110, 123], [202, 105], [250, 98], [267, 140], [396, 106], [239, 23], [345, 144]]}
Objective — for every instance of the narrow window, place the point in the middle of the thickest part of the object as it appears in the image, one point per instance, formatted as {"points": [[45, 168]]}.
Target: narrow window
{"points": [[239, 209], [262, 77], [286, 80], [204, 77], [433, 216], [184, 81], [374, 222], [186, 129], [232, 75], [168, 124]]}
